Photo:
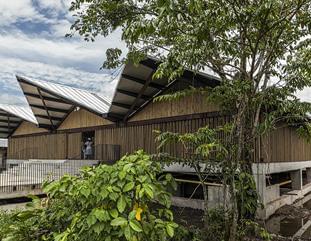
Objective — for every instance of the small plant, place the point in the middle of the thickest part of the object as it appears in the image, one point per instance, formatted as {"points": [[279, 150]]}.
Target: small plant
{"points": [[106, 203], [251, 229]]}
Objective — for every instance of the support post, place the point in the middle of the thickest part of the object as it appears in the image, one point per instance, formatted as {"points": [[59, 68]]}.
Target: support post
{"points": [[308, 170], [261, 187], [296, 177]]}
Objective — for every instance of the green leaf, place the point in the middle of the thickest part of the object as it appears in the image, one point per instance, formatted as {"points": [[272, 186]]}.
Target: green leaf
{"points": [[91, 219], [128, 233], [104, 193], [85, 191], [129, 186], [120, 221], [122, 174], [98, 227], [121, 204], [114, 213], [149, 191], [101, 215], [136, 226], [170, 230]]}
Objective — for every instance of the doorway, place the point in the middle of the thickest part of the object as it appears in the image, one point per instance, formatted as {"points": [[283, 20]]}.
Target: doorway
{"points": [[88, 147]]}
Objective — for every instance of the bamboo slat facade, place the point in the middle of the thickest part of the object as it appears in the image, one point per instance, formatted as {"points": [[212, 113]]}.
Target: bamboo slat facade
{"points": [[45, 146], [284, 145], [82, 119], [28, 128], [185, 106]]}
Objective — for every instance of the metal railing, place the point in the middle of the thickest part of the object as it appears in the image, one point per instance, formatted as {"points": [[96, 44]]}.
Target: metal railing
{"points": [[27, 176]]}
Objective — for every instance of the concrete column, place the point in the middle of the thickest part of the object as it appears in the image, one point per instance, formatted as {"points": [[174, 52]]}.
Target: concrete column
{"points": [[308, 175], [296, 177], [260, 180]]}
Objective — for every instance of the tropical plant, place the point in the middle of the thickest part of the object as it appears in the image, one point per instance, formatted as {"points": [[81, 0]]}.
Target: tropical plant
{"points": [[125, 201], [202, 151]]}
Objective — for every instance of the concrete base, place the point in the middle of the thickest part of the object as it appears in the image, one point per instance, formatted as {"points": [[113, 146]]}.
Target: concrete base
{"points": [[296, 178], [270, 196], [287, 199]]}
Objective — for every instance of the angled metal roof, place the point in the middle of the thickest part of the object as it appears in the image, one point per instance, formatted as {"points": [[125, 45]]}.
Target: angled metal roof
{"points": [[51, 103], [11, 117], [136, 88]]}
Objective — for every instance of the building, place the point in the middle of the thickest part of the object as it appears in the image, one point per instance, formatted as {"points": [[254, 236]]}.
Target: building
{"points": [[66, 117]]}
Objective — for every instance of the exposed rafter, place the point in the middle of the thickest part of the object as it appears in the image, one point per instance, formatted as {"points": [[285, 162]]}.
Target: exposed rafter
{"points": [[46, 109], [125, 106], [133, 94], [141, 92], [53, 118], [11, 121], [142, 82], [49, 108]]}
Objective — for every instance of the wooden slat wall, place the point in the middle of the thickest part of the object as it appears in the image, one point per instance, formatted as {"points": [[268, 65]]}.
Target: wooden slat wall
{"points": [[81, 119], [284, 145], [132, 138], [184, 106], [28, 128], [281, 145], [74, 145], [52, 146]]}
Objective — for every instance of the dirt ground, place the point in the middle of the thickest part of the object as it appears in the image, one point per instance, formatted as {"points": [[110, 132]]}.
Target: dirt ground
{"points": [[194, 218]]}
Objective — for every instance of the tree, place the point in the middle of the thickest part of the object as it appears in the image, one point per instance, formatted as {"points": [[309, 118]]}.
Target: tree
{"points": [[260, 51]]}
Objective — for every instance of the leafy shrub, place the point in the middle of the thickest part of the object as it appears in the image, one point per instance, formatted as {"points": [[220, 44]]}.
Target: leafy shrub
{"points": [[109, 203]]}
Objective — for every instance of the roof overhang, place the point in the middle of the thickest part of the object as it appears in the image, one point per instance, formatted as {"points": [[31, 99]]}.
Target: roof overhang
{"points": [[11, 117], [52, 103], [136, 88]]}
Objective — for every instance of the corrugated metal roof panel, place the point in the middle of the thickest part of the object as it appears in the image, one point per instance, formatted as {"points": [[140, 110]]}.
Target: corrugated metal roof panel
{"points": [[83, 98], [22, 112]]}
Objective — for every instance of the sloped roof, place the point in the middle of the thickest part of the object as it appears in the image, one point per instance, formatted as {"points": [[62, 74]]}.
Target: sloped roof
{"points": [[136, 88], [51, 103], [11, 116]]}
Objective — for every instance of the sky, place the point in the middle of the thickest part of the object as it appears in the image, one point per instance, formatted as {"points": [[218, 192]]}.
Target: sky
{"points": [[33, 44]]}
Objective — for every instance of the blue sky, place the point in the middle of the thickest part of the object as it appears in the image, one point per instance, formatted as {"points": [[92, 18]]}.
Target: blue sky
{"points": [[32, 44]]}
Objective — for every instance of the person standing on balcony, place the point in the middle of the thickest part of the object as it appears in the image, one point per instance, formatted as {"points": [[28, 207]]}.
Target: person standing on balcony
{"points": [[89, 148]]}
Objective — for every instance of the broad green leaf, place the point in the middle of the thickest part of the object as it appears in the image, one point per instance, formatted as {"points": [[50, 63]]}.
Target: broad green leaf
{"points": [[99, 227], [120, 221], [114, 213], [136, 226], [85, 191], [91, 219], [121, 204], [170, 230], [127, 233], [129, 186]]}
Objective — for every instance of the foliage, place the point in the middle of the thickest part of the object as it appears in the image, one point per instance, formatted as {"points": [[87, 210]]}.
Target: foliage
{"points": [[202, 151], [106, 203], [246, 195], [252, 229]]}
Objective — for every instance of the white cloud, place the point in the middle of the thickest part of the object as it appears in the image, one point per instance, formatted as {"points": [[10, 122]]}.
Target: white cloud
{"points": [[13, 10], [62, 52]]}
